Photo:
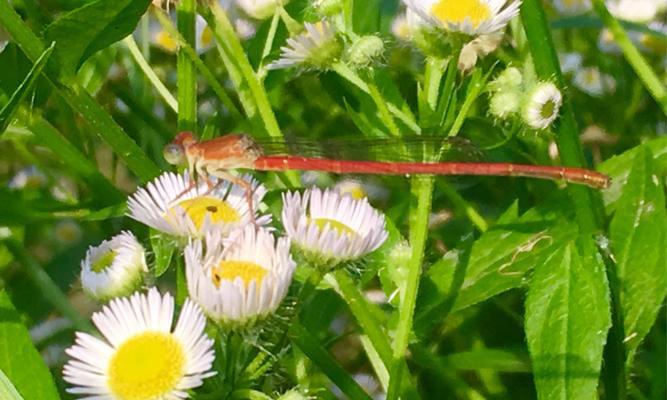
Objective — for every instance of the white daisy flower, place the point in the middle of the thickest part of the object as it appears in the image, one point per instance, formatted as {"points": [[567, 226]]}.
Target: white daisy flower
{"points": [[331, 228], [162, 38], [542, 105], [241, 278], [572, 7], [260, 9], [593, 82], [570, 62], [142, 357], [634, 10], [472, 17], [360, 189], [27, 178], [172, 205], [114, 268], [317, 47]]}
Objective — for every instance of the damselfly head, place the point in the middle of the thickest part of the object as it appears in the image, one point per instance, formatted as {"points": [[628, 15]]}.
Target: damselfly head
{"points": [[174, 152]]}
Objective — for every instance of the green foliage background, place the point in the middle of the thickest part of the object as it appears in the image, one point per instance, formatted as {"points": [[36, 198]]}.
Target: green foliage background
{"points": [[529, 289]]}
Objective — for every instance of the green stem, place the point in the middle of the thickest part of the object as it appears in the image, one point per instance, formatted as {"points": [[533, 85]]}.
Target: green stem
{"points": [[186, 77], [361, 310], [46, 286], [250, 394], [225, 32], [150, 74], [385, 116], [644, 71], [587, 205], [422, 189], [347, 73], [469, 210], [217, 88]]}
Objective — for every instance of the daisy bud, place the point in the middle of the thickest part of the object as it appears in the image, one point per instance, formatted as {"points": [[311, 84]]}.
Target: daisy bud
{"points": [[327, 8], [316, 47], [542, 106], [510, 79], [114, 268], [240, 279], [504, 104], [141, 357], [364, 51], [259, 9], [329, 228]]}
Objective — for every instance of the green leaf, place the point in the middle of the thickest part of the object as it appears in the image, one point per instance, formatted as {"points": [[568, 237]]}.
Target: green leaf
{"points": [[618, 168], [90, 28], [638, 235], [311, 347], [9, 110], [503, 256], [7, 390], [19, 359], [567, 318], [163, 248]]}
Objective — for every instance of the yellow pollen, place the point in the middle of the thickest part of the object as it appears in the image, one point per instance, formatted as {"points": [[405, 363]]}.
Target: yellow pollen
{"points": [[229, 270], [457, 11], [206, 37], [338, 226], [166, 42], [146, 366], [199, 207], [104, 261]]}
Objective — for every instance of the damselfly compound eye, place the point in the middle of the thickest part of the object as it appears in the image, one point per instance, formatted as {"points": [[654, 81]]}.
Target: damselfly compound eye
{"points": [[174, 154]]}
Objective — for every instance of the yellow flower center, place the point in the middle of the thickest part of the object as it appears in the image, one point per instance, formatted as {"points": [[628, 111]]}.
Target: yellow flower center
{"points": [[146, 366], [199, 208], [338, 226], [456, 11], [206, 37], [229, 270], [166, 42], [104, 261]]}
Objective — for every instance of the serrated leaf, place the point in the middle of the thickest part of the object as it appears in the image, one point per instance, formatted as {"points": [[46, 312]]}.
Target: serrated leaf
{"points": [[638, 234], [8, 111], [503, 256], [7, 390], [567, 318], [19, 359], [618, 168], [90, 28], [163, 249]]}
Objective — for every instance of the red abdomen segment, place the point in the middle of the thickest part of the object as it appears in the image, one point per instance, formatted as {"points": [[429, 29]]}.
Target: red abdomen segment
{"points": [[573, 175]]}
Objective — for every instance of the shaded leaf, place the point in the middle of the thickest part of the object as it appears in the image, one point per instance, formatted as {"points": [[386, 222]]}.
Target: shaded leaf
{"points": [[92, 27], [19, 359], [310, 345], [567, 318], [9, 110], [639, 244], [163, 248]]}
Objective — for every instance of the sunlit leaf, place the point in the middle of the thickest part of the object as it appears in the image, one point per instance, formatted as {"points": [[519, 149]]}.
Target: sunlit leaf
{"points": [[567, 318], [639, 243], [19, 359]]}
